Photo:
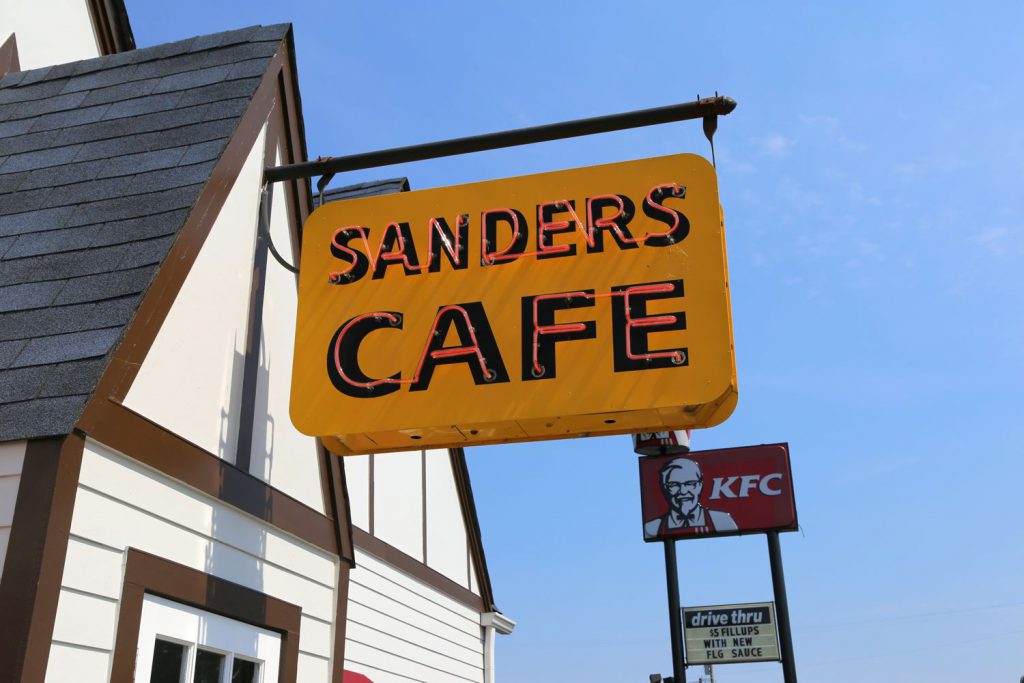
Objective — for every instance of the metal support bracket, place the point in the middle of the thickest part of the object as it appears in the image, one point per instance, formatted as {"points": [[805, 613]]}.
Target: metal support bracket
{"points": [[264, 229], [709, 107]]}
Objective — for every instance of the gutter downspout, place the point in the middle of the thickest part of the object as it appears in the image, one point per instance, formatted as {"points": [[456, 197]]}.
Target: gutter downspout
{"points": [[493, 622]]}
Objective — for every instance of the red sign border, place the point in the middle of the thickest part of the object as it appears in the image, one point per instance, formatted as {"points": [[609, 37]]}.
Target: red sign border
{"points": [[744, 532]]}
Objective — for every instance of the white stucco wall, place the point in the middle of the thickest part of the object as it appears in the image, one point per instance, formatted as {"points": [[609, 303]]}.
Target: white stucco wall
{"points": [[281, 455], [191, 380], [48, 33], [439, 539]]}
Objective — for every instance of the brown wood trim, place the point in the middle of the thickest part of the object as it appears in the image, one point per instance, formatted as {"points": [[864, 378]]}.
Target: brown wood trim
{"points": [[111, 26], [145, 573], [9, 56], [338, 504], [34, 567], [346, 550], [476, 542], [130, 433], [295, 126], [416, 569]]}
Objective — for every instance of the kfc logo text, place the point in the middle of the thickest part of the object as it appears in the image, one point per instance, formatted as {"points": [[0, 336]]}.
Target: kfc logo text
{"points": [[722, 487]]}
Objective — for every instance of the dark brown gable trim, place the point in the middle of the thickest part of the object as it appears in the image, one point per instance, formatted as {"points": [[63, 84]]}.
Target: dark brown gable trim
{"points": [[145, 573], [111, 26], [9, 56], [416, 569], [147, 442], [476, 543], [34, 567]]}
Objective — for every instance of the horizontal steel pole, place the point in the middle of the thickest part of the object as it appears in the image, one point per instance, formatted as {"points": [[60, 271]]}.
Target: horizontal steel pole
{"points": [[709, 106]]}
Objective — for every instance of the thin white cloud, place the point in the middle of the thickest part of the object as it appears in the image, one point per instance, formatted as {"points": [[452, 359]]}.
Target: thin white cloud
{"points": [[775, 145], [993, 239]]}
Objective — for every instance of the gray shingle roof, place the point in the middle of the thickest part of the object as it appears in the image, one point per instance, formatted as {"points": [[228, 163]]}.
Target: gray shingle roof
{"points": [[100, 163], [367, 189]]}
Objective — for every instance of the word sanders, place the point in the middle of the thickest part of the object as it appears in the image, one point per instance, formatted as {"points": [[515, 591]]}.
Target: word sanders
{"points": [[609, 214]]}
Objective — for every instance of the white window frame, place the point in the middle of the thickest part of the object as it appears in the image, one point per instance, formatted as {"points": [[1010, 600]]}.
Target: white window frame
{"points": [[198, 629]]}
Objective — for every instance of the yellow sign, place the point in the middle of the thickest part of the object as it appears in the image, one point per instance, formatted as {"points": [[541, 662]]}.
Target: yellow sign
{"points": [[575, 303]]}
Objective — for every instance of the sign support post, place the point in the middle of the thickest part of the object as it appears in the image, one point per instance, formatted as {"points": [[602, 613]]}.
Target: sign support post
{"points": [[675, 613], [782, 606]]}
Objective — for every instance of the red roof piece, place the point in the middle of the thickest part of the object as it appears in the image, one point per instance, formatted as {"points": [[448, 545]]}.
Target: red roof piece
{"points": [[352, 677]]}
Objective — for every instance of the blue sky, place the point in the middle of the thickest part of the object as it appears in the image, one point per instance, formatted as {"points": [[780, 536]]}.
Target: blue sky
{"points": [[871, 184]]}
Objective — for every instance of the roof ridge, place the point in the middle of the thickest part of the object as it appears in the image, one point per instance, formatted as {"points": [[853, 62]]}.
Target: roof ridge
{"points": [[250, 34]]}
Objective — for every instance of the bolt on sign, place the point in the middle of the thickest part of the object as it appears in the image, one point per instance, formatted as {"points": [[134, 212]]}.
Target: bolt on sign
{"points": [[722, 492], [574, 303], [728, 634]]}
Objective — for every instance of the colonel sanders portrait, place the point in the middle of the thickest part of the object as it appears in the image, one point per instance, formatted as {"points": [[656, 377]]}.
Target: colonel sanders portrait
{"points": [[682, 482]]}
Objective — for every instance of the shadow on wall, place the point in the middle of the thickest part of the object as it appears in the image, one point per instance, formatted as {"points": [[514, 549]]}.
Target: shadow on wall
{"points": [[230, 417], [239, 547], [261, 458]]}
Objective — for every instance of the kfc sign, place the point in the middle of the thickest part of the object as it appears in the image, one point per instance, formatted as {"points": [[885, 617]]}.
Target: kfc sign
{"points": [[574, 303], [715, 493]]}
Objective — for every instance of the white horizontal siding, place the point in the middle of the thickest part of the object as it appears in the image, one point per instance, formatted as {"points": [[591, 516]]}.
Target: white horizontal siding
{"points": [[141, 487], [98, 569], [395, 667], [85, 620], [122, 504], [400, 629], [317, 635], [389, 581], [392, 624], [312, 668], [148, 532], [76, 663], [12, 458], [432, 621]]}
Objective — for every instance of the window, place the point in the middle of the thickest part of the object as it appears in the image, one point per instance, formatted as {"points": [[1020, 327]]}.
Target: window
{"points": [[182, 644]]}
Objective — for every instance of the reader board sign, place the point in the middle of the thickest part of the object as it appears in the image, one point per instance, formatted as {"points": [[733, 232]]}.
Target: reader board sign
{"points": [[721, 492], [728, 634], [581, 302]]}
